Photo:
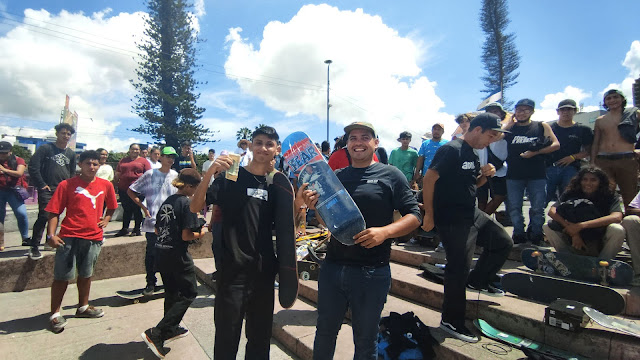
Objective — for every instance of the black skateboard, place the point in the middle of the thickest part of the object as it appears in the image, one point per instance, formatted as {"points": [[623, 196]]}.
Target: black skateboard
{"points": [[281, 191], [136, 295], [547, 289], [435, 272]]}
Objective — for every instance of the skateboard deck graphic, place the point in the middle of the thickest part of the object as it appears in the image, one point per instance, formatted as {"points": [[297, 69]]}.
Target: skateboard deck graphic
{"points": [[335, 206], [281, 191], [578, 267], [547, 289], [520, 342], [136, 294], [625, 326]]}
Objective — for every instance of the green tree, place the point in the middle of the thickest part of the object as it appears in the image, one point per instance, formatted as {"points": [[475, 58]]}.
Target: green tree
{"points": [[165, 87], [243, 133], [259, 126], [499, 54], [21, 152]]}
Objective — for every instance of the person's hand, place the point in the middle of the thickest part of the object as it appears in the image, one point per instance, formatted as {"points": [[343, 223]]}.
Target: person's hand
{"points": [[55, 241], [146, 212], [488, 170], [103, 222], [298, 202], [222, 163], [310, 198], [371, 237], [528, 154], [427, 223], [577, 243], [567, 160], [46, 187], [414, 186], [573, 229], [2, 168]]}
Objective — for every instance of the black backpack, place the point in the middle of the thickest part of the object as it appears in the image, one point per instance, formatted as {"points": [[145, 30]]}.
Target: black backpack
{"points": [[404, 332]]}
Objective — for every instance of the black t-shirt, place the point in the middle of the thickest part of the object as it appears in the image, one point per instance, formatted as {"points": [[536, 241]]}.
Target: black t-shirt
{"points": [[247, 221], [181, 162], [572, 139], [521, 139], [174, 216], [454, 197], [377, 190], [50, 165]]}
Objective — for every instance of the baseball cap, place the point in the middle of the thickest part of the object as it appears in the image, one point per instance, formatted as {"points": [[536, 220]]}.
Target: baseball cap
{"points": [[613, 91], [5, 146], [169, 150], [497, 105], [487, 121], [404, 134], [438, 124], [526, 102], [567, 103], [359, 125]]}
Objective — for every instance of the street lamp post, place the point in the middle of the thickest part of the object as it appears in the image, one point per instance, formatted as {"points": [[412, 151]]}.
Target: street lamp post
{"points": [[328, 62]]}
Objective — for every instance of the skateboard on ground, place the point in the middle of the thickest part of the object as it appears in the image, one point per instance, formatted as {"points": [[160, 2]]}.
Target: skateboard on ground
{"points": [[136, 295], [435, 272], [335, 206], [586, 268], [281, 192], [625, 326], [547, 289], [520, 342]]}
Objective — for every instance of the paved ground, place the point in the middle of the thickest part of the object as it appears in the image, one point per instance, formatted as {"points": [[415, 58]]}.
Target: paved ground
{"points": [[24, 334]]}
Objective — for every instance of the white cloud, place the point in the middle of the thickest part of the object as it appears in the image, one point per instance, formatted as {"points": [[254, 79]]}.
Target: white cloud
{"points": [[199, 7], [546, 111], [375, 75], [632, 62]]}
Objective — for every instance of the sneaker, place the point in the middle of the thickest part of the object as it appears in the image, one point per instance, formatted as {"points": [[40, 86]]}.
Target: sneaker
{"points": [[413, 241], [440, 248], [177, 333], [121, 232], [490, 290], [276, 284], [48, 247], [519, 238], [461, 332], [90, 312], [154, 341], [34, 254], [26, 242], [149, 290], [214, 276], [136, 232], [57, 324]]}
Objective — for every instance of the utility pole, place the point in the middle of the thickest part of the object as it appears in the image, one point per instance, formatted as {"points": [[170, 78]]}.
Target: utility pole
{"points": [[328, 62]]}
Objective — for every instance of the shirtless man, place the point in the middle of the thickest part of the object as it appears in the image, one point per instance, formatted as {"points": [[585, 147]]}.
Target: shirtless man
{"points": [[613, 144]]}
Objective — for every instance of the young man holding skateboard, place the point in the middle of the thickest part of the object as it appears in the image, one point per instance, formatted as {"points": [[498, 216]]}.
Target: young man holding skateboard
{"points": [[449, 194], [359, 276], [245, 279], [80, 238]]}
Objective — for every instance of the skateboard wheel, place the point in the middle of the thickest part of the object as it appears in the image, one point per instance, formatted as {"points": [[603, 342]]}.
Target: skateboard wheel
{"points": [[136, 301], [603, 263], [305, 275], [535, 254]]}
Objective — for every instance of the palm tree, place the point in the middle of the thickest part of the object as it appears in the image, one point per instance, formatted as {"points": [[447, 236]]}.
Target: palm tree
{"points": [[243, 133], [260, 125]]}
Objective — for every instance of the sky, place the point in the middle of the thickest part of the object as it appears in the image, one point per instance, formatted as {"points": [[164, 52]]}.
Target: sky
{"points": [[401, 65]]}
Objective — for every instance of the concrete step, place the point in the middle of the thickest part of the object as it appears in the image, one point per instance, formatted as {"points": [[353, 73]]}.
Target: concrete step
{"points": [[24, 322], [295, 327]]}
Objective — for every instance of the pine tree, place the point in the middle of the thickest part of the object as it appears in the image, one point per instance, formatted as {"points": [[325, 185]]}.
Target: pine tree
{"points": [[499, 54], [166, 88]]}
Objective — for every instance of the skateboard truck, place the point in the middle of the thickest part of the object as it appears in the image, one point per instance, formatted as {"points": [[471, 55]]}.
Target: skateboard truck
{"points": [[538, 256], [604, 265]]}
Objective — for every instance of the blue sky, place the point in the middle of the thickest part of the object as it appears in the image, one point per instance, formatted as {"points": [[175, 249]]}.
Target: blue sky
{"points": [[401, 65]]}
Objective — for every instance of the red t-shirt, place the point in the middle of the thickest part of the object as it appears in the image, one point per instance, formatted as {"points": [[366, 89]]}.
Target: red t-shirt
{"points": [[8, 181], [130, 170], [85, 205], [339, 159]]}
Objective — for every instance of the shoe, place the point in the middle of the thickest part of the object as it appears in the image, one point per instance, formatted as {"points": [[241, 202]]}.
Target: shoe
{"points": [[26, 242], [57, 324], [177, 333], [276, 284], [34, 254], [440, 248], [136, 233], [490, 290], [90, 312], [519, 238], [149, 290], [214, 276], [412, 241], [48, 247], [461, 332], [121, 232], [154, 341]]}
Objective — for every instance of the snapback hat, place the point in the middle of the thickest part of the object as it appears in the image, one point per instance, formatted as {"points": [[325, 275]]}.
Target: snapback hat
{"points": [[169, 150], [495, 105], [526, 102], [567, 103], [5, 146], [438, 124], [487, 121], [359, 125]]}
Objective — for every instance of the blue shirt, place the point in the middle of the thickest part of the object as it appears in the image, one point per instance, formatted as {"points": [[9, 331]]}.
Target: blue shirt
{"points": [[428, 150]]}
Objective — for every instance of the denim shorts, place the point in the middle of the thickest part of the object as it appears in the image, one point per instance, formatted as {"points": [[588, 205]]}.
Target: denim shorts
{"points": [[76, 255]]}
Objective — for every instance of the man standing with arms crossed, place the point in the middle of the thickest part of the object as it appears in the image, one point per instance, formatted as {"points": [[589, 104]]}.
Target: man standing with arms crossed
{"points": [[614, 140], [404, 157], [358, 276], [48, 167], [449, 194]]}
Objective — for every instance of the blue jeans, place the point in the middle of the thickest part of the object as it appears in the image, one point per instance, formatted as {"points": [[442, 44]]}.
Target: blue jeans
{"points": [[19, 210], [364, 289], [537, 198], [558, 178]]}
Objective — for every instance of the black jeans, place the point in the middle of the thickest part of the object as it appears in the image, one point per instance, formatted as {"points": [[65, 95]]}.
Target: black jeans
{"points": [[459, 238], [130, 209], [150, 258], [39, 226], [250, 296], [180, 289]]}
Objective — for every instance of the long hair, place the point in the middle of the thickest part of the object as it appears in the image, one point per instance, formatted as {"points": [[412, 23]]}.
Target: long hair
{"points": [[600, 197]]}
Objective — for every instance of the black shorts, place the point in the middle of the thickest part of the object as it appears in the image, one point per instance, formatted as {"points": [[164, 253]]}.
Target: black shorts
{"points": [[498, 186]]}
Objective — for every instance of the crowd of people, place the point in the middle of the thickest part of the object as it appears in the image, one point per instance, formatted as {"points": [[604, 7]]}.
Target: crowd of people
{"points": [[452, 187]]}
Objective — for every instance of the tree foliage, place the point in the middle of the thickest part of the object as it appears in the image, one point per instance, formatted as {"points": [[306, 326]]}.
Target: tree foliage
{"points": [[21, 152], [499, 54], [165, 86], [243, 133]]}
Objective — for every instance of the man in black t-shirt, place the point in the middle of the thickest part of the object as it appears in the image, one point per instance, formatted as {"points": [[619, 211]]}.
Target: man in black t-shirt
{"points": [[575, 145], [185, 160], [449, 193], [358, 276], [244, 282]]}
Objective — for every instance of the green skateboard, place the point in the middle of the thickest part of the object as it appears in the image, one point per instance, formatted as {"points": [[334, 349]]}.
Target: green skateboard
{"points": [[520, 342]]}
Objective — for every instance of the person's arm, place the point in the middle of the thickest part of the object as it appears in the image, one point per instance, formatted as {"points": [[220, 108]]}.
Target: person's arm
{"points": [[35, 167], [222, 163], [134, 196], [595, 146], [52, 238], [13, 173], [428, 187], [188, 235], [72, 163], [193, 160], [418, 172], [509, 124], [486, 172], [106, 218], [375, 236]]}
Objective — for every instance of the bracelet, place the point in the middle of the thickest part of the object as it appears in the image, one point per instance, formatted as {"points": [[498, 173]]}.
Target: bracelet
{"points": [[573, 157]]}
